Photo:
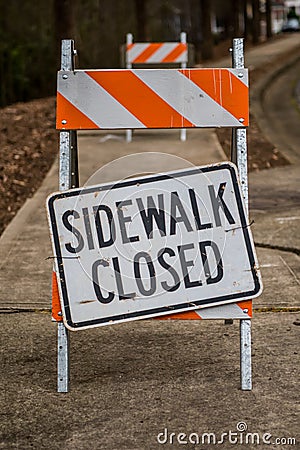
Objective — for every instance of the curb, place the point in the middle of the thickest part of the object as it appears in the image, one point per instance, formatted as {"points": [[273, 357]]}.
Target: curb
{"points": [[257, 95], [259, 89]]}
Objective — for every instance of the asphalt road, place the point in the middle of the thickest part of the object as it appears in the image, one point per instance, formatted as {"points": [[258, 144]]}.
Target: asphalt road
{"points": [[278, 115], [281, 107]]}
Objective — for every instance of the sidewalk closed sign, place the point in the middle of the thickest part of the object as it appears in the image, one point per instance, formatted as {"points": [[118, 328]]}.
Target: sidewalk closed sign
{"points": [[150, 246]]}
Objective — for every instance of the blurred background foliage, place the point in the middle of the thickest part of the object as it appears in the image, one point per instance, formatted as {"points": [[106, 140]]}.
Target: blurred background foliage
{"points": [[30, 34]]}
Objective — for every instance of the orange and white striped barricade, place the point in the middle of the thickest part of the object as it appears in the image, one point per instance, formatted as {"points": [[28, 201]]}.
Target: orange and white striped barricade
{"points": [[176, 98], [162, 53]]}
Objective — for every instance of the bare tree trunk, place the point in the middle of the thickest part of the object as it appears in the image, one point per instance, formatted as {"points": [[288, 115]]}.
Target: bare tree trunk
{"points": [[269, 18], [246, 20], [207, 38], [64, 22], [141, 22], [194, 35], [255, 22], [235, 14]]}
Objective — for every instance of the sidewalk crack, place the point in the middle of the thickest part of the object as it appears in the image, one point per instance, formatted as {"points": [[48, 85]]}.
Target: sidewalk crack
{"points": [[290, 270]]}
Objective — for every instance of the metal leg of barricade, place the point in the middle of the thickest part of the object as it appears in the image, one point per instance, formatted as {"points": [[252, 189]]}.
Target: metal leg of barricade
{"points": [[183, 66], [63, 367], [239, 157], [128, 136], [68, 178], [183, 134], [129, 40], [62, 332], [245, 325], [245, 355], [74, 159]]}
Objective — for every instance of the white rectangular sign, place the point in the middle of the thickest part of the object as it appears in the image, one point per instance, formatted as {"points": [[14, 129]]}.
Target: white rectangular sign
{"points": [[151, 246]]}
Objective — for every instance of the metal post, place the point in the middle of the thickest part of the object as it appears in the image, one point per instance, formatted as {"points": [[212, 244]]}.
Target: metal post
{"points": [[74, 159], [183, 66], [68, 177], [63, 367], [129, 40], [245, 355], [62, 332], [239, 157]]}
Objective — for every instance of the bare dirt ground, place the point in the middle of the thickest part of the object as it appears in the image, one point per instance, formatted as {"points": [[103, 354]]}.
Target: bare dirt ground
{"points": [[29, 145]]}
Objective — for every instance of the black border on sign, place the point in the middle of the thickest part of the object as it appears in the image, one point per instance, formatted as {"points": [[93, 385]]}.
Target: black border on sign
{"points": [[163, 310]]}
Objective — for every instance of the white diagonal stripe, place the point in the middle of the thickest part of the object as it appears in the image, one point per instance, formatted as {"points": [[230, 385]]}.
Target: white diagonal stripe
{"points": [[186, 98], [244, 72], [230, 311], [95, 102]]}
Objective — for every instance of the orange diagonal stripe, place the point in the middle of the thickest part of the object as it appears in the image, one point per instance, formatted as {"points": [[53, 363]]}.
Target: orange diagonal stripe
{"points": [[76, 120], [55, 299], [129, 46], [223, 87], [175, 53], [142, 58], [139, 99]]}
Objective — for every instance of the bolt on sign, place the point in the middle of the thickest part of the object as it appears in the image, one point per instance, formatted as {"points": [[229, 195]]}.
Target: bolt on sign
{"points": [[151, 246]]}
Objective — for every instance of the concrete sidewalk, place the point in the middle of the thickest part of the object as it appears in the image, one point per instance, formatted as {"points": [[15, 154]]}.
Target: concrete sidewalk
{"points": [[131, 382]]}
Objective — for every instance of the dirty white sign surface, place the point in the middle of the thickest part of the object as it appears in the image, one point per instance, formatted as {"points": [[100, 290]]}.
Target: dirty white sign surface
{"points": [[150, 246]]}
